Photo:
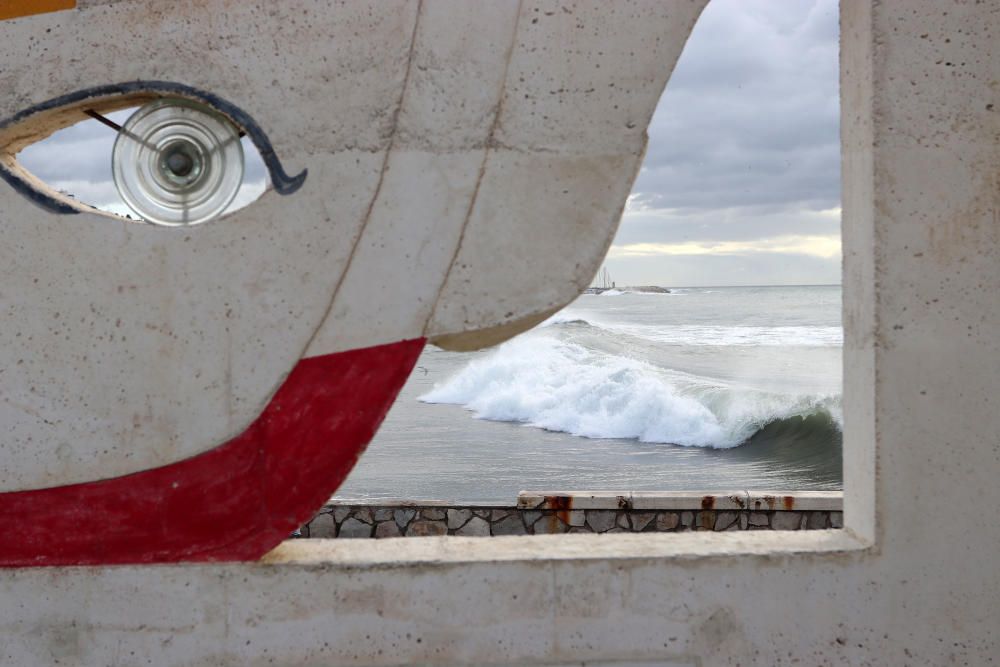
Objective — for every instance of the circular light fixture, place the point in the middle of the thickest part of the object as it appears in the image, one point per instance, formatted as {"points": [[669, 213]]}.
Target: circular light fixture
{"points": [[178, 163]]}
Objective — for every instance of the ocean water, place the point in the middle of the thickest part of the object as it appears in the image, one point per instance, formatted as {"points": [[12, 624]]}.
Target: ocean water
{"points": [[705, 389]]}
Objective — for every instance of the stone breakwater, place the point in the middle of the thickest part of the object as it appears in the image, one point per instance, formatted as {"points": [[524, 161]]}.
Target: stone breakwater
{"points": [[580, 512]]}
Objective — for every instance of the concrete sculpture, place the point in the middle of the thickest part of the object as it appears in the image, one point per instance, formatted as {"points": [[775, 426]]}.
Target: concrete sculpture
{"points": [[440, 171]]}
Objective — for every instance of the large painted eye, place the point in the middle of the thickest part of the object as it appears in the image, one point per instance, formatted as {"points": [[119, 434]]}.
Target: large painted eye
{"points": [[176, 162], [157, 152]]}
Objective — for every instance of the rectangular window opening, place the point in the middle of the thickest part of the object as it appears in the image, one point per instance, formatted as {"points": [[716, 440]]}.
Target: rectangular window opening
{"points": [[741, 185]]}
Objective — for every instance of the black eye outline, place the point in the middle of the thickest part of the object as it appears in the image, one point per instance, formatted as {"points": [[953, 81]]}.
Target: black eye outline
{"points": [[282, 183]]}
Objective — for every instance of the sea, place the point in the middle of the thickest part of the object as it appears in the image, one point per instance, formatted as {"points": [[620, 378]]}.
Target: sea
{"points": [[702, 389]]}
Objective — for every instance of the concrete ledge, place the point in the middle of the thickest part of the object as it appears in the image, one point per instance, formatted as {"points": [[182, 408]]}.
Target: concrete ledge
{"points": [[579, 512], [408, 502], [684, 500], [346, 556]]}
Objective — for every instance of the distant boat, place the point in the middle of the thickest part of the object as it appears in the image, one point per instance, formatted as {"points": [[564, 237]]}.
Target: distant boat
{"points": [[606, 283]]}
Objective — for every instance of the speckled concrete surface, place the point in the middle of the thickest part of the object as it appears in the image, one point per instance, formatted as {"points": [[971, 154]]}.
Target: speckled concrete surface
{"points": [[467, 166]]}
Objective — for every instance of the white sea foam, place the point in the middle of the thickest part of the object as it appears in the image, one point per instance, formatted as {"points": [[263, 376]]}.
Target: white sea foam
{"points": [[621, 291], [699, 335], [563, 317], [557, 385], [694, 335]]}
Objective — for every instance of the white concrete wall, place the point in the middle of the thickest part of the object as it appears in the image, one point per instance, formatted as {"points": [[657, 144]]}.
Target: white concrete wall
{"points": [[913, 580], [467, 168]]}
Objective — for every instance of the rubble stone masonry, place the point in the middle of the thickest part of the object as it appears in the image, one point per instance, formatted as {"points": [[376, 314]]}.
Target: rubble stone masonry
{"points": [[580, 512]]}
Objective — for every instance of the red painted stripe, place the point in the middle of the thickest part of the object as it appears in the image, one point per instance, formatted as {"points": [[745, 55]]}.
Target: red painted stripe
{"points": [[234, 502]]}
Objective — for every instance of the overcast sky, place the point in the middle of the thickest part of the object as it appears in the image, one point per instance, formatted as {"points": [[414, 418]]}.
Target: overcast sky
{"points": [[741, 183]]}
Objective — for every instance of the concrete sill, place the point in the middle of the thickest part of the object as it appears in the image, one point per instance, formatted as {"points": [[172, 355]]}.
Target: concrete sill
{"points": [[425, 551], [757, 501]]}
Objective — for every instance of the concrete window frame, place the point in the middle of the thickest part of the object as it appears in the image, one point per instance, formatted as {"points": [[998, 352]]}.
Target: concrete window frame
{"points": [[859, 449]]}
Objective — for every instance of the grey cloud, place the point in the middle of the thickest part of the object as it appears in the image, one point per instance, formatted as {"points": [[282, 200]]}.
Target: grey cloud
{"points": [[751, 114], [681, 271], [744, 146], [78, 158], [745, 224]]}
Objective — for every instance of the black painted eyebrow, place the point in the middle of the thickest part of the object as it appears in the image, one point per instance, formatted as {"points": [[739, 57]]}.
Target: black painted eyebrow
{"points": [[283, 183]]}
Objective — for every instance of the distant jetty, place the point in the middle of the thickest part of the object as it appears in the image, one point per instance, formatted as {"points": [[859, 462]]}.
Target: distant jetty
{"points": [[606, 284], [639, 289]]}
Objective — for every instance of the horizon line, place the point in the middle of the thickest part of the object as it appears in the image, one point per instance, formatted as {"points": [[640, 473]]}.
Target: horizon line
{"points": [[698, 286]]}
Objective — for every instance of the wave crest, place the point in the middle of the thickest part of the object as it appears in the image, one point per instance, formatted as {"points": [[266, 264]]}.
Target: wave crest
{"points": [[562, 386]]}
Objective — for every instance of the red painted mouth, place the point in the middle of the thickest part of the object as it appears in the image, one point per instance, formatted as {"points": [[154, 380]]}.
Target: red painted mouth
{"points": [[235, 502]]}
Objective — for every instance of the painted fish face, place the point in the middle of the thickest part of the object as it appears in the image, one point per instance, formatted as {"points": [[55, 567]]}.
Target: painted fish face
{"points": [[439, 170]]}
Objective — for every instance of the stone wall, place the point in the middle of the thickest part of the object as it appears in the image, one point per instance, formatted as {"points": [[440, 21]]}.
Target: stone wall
{"points": [[554, 513]]}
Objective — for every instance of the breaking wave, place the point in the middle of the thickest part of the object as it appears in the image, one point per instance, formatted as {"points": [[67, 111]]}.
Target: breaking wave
{"points": [[542, 380]]}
